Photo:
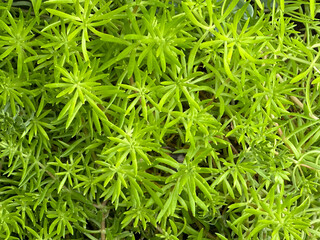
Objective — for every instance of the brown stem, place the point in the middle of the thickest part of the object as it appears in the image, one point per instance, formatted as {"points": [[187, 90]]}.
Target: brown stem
{"points": [[49, 173], [159, 229], [284, 139], [96, 206], [211, 101], [304, 165], [103, 222], [135, 9], [207, 234], [234, 150], [296, 101], [131, 81]]}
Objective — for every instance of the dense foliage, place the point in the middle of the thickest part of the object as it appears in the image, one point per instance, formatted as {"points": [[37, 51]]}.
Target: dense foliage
{"points": [[156, 119]]}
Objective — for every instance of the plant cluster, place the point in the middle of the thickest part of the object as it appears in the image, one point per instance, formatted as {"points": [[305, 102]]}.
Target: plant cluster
{"points": [[149, 119]]}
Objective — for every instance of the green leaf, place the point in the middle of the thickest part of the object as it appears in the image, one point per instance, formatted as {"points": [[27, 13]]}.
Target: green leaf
{"points": [[312, 8], [63, 15], [191, 16], [229, 10]]}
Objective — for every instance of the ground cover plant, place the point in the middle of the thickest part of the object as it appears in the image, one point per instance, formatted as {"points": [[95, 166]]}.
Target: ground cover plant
{"points": [[159, 119]]}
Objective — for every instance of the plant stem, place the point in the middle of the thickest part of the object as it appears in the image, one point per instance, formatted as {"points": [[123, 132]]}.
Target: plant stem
{"points": [[103, 222]]}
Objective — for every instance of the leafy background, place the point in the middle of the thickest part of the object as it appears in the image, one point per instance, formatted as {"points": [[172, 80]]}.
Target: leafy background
{"points": [[159, 119]]}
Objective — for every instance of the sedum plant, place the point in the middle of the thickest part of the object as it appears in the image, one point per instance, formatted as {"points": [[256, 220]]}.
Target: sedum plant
{"points": [[159, 119]]}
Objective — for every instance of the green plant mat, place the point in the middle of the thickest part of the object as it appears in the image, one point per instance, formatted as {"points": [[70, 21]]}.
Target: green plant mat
{"points": [[159, 119]]}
